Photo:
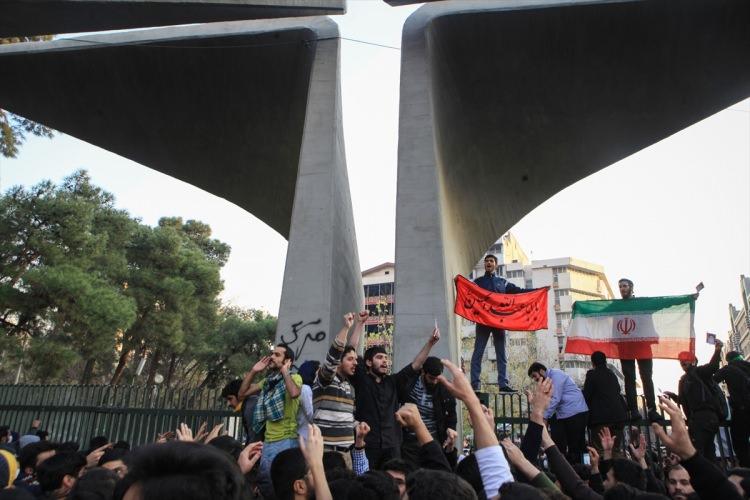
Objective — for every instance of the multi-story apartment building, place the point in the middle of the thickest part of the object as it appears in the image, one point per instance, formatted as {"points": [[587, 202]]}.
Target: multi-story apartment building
{"points": [[739, 319], [379, 284]]}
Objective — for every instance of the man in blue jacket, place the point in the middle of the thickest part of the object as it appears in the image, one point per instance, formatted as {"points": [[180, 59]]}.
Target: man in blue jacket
{"points": [[490, 281]]}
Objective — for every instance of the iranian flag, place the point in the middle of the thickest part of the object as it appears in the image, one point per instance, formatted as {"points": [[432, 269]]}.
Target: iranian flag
{"points": [[637, 328]]}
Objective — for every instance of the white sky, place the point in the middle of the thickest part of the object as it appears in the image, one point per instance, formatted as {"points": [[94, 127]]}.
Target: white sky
{"points": [[667, 217]]}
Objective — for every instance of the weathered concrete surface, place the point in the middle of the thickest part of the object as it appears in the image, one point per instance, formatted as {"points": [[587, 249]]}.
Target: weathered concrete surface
{"points": [[44, 17], [505, 103], [249, 111]]}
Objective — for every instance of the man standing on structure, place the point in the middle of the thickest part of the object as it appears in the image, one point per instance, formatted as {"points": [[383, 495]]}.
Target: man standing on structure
{"points": [[490, 281], [645, 369]]}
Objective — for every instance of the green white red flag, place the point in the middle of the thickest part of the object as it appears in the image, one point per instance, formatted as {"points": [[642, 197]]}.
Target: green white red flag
{"points": [[637, 328], [508, 311]]}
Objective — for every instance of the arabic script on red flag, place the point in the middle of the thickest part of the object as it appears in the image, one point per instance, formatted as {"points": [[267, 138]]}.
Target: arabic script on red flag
{"points": [[517, 311]]}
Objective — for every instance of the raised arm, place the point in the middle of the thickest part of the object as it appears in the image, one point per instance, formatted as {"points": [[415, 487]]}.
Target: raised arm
{"points": [[333, 358], [292, 388], [425, 351], [356, 339], [712, 366], [247, 388]]}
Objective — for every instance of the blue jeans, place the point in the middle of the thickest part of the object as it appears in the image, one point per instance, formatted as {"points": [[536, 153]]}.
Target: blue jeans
{"points": [[270, 450], [480, 343]]}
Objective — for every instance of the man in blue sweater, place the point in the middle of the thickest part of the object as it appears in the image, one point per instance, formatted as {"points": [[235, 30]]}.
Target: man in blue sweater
{"points": [[490, 281]]}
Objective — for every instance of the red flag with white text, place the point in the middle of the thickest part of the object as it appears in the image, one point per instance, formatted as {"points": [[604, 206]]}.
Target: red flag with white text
{"points": [[510, 311]]}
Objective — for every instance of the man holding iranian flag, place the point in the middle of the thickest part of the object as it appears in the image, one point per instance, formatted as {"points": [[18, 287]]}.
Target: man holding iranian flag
{"points": [[634, 329]]}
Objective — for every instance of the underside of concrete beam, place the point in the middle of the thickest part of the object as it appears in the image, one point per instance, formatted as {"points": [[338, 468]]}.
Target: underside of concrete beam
{"points": [[249, 111], [505, 103], [48, 17]]}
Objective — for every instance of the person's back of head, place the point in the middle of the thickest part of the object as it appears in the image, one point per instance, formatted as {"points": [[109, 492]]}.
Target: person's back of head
{"points": [[598, 359], [60, 471], [374, 485], [112, 455], [97, 442], [425, 484], [628, 472], [181, 470], [307, 371], [96, 484], [288, 471], [520, 491], [28, 455], [468, 470], [228, 445]]}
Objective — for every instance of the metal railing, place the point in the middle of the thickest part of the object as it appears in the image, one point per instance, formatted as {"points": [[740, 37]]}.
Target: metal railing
{"points": [[512, 419], [135, 414]]}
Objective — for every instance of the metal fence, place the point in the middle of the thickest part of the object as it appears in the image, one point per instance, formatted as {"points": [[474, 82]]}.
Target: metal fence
{"points": [[512, 418], [135, 414]]}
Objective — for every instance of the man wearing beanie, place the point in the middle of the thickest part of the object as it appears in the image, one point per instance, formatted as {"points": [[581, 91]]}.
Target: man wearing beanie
{"points": [[736, 374], [436, 407], [8, 469]]}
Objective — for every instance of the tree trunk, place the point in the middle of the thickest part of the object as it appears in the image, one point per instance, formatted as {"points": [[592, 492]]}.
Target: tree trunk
{"points": [[153, 366], [121, 364], [88, 371], [170, 372]]}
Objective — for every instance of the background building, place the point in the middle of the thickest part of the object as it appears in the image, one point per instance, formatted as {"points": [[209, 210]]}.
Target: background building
{"points": [[569, 279], [739, 319], [378, 283]]}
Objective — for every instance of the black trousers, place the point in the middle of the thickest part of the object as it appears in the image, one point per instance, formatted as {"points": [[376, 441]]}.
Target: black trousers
{"points": [[646, 370], [378, 456], [702, 427], [569, 434], [740, 431]]}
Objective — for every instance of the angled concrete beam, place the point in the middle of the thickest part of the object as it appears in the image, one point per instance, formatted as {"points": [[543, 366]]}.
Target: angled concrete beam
{"points": [[249, 111], [47, 17], [505, 103]]}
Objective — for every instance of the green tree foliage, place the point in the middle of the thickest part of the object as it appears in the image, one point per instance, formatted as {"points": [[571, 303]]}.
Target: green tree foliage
{"points": [[13, 128], [87, 292]]}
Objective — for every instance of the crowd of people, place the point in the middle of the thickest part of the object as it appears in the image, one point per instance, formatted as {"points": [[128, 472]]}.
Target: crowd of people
{"points": [[349, 427]]}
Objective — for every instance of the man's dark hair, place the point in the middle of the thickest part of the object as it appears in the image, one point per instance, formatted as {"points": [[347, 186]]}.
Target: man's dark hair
{"points": [[490, 256], [29, 453], [626, 492], [628, 472], [468, 470], [288, 352], [520, 491], [71, 446], [179, 470], [231, 389], [536, 367], [228, 445], [348, 349], [374, 485], [42, 435], [307, 371], [286, 468], [425, 484], [372, 351], [598, 359], [733, 355], [433, 366], [96, 484], [4, 431], [742, 472], [51, 472], [399, 465], [97, 442], [113, 454], [625, 280], [122, 445], [333, 460]]}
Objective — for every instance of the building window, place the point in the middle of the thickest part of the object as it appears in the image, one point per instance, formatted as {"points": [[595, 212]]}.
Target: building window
{"points": [[529, 284], [561, 293]]}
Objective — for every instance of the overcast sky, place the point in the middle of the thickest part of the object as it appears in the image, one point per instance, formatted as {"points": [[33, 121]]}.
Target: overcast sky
{"points": [[667, 217]]}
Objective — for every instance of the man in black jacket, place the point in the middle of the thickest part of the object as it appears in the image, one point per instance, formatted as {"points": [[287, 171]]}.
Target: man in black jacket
{"points": [[606, 406], [436, 406], [696, 396], [377, 399], [736, 374]]}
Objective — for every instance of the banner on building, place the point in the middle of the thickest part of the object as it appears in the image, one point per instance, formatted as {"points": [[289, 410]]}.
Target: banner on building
{"points": [[518, 311], [637, 328]]}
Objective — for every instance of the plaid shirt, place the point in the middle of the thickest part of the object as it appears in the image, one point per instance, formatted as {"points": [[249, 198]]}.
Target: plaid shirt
{"points": [[360, 464]]}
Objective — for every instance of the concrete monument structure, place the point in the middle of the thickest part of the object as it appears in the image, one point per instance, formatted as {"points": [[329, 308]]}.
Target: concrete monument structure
{"points": [[47, 17], [526, 98], [249, 111]]}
